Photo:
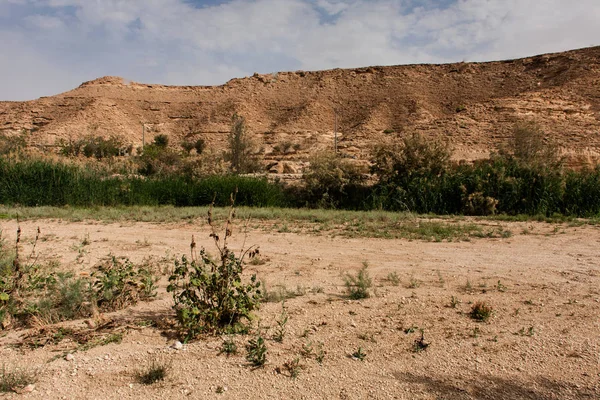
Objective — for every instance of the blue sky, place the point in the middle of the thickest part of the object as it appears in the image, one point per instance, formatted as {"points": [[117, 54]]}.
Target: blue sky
{"points": [[51, 46]]}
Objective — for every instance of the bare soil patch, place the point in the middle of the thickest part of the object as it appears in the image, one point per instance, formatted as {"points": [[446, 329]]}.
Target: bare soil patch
{"points": [[541, 341]]}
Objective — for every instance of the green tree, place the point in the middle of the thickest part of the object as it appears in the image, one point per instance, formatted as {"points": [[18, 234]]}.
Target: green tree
{"points": [[241, 154]]}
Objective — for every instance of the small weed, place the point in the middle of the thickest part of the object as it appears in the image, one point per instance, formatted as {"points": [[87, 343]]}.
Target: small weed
{"points": [[293, 367], [209, 292], [258, 260], [441, 279], [320, 354], [481, 311], [281, 323], [307, 350], [414, 283], [476, 332], [528, 332], [12, 380], [410, 329], [153, 373], [358, 286], [419, 345], [317, 289], [305, 333], [393, 278], [256, 350], [359, 354], [228, 347], [500, 287], [454, 302], [505, 234], [118, 283], [468, 286], [367, 337], [116, 337], [281, 293]]}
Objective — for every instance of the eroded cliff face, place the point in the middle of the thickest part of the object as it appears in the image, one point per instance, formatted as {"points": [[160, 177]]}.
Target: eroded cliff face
{"points": [[474, 106]]}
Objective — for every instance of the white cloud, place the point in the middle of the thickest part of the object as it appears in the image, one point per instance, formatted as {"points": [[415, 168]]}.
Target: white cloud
{"points": [[44, 21], [52, 44]]}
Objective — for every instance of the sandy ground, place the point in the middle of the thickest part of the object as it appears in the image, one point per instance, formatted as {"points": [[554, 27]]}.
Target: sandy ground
{"points": [[543, 341]]}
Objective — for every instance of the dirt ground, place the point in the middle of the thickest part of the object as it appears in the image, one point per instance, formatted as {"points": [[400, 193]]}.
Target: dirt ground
{"points": [[543, 341]]}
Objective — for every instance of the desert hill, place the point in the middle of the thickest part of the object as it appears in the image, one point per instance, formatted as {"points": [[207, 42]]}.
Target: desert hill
{"points": [[472, 105]]}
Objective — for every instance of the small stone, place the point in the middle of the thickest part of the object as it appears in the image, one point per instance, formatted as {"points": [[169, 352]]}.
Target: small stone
{"points": [[29, 388], [177, 345], [69, 357]]}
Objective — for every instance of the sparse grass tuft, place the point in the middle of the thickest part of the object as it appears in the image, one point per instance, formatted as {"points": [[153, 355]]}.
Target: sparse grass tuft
{"points": [[481, 311], [155, 372], [454, 302], [15, 378], [358, 286], [393, 278], [293, 367], [414, 283]]}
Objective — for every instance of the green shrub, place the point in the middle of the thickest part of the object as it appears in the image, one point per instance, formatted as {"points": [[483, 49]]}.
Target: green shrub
{"points": [[95, 146], [118, 283], [161, 141], [209, 293], [65, 298], [13, 144], [240, 152], [331, 181], [413, 156], [199, 146]]}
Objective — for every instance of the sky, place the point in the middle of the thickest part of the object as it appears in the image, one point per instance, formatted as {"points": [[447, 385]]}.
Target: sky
{"points": [[51, 46]]}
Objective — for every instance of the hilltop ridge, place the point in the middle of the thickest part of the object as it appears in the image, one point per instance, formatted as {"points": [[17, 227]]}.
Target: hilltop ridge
{"points": [[472, 105]]}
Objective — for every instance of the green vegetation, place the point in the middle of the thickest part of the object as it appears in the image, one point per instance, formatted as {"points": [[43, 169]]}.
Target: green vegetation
{"points": [[118, 283], [359, 354], [229, 347], [34, 293], [412, 174], [481, 311], [208, 292], [37, 182], [12, 379], [152, 373], [281, 322], [358, 286], [256, 351], [241, 153]]}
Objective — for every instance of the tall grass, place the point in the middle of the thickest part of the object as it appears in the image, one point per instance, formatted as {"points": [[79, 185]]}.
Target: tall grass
{"points": [[505, 184], [31, 182]]}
